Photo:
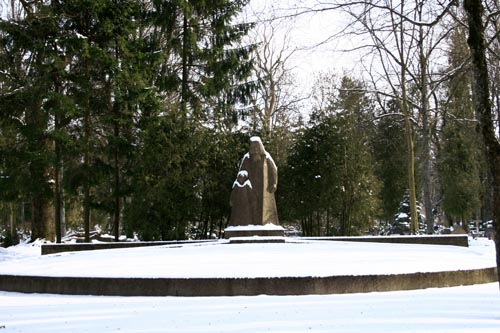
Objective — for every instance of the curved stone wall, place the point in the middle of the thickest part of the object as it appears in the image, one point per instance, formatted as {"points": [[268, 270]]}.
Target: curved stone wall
{"points": [[243, 286]]}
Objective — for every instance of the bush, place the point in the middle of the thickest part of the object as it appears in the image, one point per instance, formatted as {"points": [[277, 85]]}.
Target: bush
{"points": [[9, 239]]}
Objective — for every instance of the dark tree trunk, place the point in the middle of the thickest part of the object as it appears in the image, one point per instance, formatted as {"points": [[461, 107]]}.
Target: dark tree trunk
{"points": [[58, 191], [12, 218], [39, 217], [185, 74], [58, 198], [117, 190], [482, 104], [86, 184]]}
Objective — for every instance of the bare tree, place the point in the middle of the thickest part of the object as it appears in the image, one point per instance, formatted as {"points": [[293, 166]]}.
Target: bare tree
{"points": [[401, 43], [388, 39], [275, 101]]}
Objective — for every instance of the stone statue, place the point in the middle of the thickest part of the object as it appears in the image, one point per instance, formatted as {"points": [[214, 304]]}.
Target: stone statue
{"points": [[258, 166]]}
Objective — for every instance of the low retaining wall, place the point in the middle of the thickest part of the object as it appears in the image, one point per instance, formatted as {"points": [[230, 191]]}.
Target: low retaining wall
{"points": [[456, 240], [57, 248], [243, 286]]}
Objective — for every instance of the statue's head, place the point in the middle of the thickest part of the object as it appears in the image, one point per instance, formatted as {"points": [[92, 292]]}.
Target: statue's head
{"points": [[242, 176], [256, 147]]}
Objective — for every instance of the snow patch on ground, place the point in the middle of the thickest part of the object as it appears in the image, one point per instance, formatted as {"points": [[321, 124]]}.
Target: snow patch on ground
{"points": [[291, 259], [22, 250], [458, 309]]}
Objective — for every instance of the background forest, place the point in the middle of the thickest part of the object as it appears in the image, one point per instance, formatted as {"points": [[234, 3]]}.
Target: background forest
{"points": [[132, 115]]}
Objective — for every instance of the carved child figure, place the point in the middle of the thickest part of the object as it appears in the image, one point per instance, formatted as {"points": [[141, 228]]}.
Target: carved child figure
{"points": [[243, 201]]}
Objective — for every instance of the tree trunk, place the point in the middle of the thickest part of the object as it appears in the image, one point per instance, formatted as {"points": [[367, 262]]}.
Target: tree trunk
{"points": [[39, 217], [12, 223], [117, 190], [86, 181], [40, 225], [403, 104], [411, 153], [426, 142], [328, 232], [482, 104], [58, 197], [185, 73], [221, 226], [86, 211], [204, 230]]}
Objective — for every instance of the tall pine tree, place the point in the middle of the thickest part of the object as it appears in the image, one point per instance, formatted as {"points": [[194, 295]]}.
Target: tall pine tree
{"points": [[27, 64], [389, 148], [461, 156]]}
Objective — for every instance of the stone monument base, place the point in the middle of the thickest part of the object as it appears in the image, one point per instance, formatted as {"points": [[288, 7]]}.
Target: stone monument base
{"points": [[268, 230]]}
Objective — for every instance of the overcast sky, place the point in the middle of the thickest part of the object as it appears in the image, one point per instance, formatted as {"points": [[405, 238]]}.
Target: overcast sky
{"points": [[308, 32]]}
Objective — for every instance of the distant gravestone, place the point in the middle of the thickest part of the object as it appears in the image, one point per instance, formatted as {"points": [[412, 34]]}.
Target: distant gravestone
{"points": [[253, 204]]}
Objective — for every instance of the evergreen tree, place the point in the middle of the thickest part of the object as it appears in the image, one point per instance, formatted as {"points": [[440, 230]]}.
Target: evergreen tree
{"points": [[27, 48], [360, 187], [401, 223], [105, 77], [310, 178], [89, 87], [389, 149], [332, 188], [223, 151], [166, 182], [460, 158], [203, 59], [200, 77], [124, 94]]}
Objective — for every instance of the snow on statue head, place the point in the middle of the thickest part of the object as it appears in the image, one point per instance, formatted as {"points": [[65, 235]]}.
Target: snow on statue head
{"points": [[252, 199], [257, 150], [242, 179]]}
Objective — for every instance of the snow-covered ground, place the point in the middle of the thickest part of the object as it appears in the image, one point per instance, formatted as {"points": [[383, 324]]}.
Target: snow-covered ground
{"points": [[457, 309], [295, 258]]}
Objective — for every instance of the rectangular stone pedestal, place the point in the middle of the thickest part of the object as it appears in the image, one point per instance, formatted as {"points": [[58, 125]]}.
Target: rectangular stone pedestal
{"points": [[268, 230]]}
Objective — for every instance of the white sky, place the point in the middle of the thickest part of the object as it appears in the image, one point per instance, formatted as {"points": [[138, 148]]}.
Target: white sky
{"points": [[306, 32]]}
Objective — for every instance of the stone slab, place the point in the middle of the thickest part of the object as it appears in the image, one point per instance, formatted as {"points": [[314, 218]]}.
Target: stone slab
{"points": [[58, 248], [268, 230], [456, 240], [256, 239]]}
